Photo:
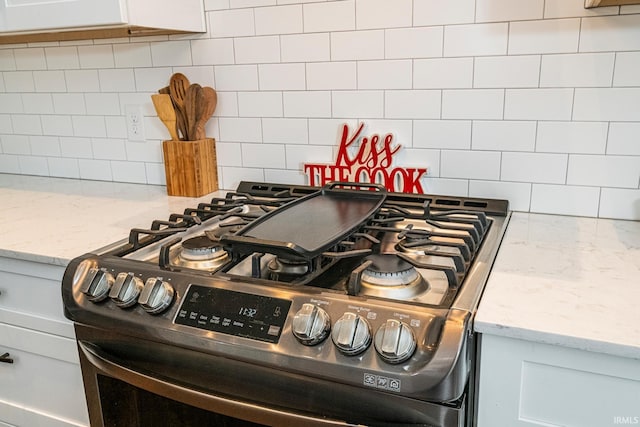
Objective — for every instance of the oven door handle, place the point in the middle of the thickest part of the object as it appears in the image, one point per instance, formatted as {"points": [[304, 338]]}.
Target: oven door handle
{"points": [[214, 403]]}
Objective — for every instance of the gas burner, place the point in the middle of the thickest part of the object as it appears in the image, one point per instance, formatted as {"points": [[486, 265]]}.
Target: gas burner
{"points": [[392, 277], [281, 268], [201, 253]]}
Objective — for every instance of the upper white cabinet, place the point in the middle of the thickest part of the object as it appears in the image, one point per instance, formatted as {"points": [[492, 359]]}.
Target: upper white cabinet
{"points": [[37, 20]]}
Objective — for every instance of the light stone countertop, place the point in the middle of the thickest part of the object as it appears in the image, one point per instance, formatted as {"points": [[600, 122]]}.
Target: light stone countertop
{"points": [[566, 281], [53, 220]]}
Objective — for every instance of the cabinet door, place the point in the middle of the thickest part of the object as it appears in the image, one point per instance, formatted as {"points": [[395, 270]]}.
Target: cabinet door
{"points": [[36, 15]]}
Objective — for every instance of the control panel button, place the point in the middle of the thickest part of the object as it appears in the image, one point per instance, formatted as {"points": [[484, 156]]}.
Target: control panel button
{"points": [[311, 324], [351, 334], [96, 284], [394, 341], [126, 289], [156, 296]]}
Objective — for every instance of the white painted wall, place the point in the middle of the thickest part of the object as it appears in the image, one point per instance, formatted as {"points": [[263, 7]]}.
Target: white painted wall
{"points": [[537, 101]]}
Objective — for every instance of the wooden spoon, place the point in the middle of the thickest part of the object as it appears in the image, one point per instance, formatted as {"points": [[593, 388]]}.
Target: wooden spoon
{"points": [[178, 89], [193, 106], [166, 113], [210, 100]]}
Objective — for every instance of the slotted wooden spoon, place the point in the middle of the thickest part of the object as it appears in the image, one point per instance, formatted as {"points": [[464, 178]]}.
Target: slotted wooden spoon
{"points": [[178, 90], [166, 113]]}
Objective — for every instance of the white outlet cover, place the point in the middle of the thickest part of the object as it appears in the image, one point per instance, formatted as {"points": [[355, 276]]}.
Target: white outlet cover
{"points": [[135, 122]]}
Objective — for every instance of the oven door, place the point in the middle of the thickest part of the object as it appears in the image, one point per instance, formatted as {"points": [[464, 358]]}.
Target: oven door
{"points": [[139, 383]]}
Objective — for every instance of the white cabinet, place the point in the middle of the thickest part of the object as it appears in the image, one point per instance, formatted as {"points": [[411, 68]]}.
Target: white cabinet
{"points": [[526, 384], [43, 385], [37, 20]]}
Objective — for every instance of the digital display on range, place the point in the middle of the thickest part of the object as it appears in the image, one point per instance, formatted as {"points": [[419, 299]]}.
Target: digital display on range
{"points": [[234, 313]]}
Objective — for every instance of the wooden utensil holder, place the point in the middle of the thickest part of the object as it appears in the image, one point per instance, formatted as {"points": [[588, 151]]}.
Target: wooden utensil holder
{"points": [[190, 167]]}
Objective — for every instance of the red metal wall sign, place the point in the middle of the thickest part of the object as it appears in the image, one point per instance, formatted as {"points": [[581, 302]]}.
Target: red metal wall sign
{"points": [[369, 162]]}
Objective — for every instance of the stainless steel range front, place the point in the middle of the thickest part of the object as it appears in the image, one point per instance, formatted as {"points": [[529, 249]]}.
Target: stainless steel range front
{"points": [[288, 305]]}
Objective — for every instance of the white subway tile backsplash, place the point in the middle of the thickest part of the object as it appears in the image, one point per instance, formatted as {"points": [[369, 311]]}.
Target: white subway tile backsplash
{"points": [[132, 55], [99, 170], [623, 139], [419, 158], [401, 131], [610, 33], [285, 176], [565, 200], [257, 50], [212, 51], [155, 173], [62, 58], [443, 73], [49, 81], [231, 176], [15, 144], [30, 59], [538, 104], [108, 149], [37, 103], [171, 53], [476, 39], [229, 154], [574, 8], [260, 104], [579, 70], [357, 45], [412, 104], [56, 125], [508, 10], [69, 103], [148, 151], [9, 163], [572, 137], [329, 16], [5, 126], [7, 60], [278, 20], [227, 104], [434, 12], [236, 77], [446, 134], [388, 74], [89, 126], [232, 23], [534, 167], [626, 71], [316, 104], [201, 74], [285, 131], [116, 126], [331, 75], [446, 187], [26, 124], [298, 155], [63, 167], [604, 171], [548, 36], [19, 81], [96, 56], [420, 42], [117, 80], [128, 172], [356, 104], [76, 147], [151, 79], [470, 164], [305, 47], [506, 71], [10, 103], [504, 135], [102, 104], [517, 193], [620, 203], [32, 165], [607, 104], [82, 81], [473, 104], [240, 129], [250, 3], [624, 10], [263, 155], [281, 76], [372, 14], [45, 145], [329, 131]]}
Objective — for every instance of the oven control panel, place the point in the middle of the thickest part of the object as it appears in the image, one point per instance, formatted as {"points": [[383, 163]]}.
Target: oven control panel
{"points": [[235, 313]]}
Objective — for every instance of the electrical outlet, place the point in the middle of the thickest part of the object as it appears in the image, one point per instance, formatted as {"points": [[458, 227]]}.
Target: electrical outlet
{"points": [[135, 122]]}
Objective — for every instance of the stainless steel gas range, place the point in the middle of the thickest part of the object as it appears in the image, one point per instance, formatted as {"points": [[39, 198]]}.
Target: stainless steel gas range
{"points": [[286, 305]]}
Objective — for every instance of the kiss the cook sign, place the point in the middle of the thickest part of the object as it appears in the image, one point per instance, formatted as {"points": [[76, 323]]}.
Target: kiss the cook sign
{"points": [[370, 161]]}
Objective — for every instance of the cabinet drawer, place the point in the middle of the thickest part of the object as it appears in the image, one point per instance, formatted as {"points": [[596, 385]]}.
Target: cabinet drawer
{"points": [[43, 382]]}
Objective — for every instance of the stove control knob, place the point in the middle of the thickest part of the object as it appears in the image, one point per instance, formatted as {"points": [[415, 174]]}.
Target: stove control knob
{"points": [[311, 324], [156, 296], [126, 289], [96, 284], [351, 334], [395, 342]]}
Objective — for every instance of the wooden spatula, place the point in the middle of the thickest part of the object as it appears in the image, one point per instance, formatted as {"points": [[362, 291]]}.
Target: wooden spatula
{"points": [[166, 113]]}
